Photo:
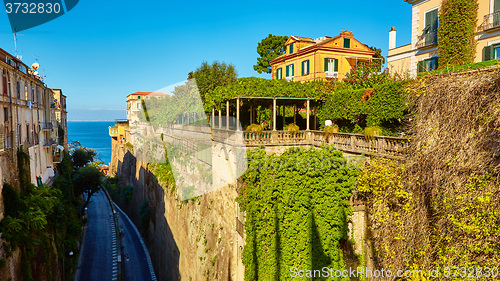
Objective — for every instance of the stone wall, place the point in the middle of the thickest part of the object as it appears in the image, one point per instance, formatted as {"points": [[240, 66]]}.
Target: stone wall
{"points": [[187, 240]]}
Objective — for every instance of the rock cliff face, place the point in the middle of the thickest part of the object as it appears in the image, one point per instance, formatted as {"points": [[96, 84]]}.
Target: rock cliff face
{"points": [[187, 240]]}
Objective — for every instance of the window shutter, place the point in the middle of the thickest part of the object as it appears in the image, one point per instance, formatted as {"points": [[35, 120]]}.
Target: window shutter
{"points": [[431, 20], [291, 48], [487, 53], [496, 6], [336, 65], [303, 67], [326, 64], [287, 71], [307, 66], [292, 69], [420, 66], [347, 43]]}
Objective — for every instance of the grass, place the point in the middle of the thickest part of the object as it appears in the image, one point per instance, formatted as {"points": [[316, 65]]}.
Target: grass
{"points": [[461, 67]]}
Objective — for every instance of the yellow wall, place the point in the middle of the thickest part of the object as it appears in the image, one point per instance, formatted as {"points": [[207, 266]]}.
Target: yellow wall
{"points": [[316, 59]]}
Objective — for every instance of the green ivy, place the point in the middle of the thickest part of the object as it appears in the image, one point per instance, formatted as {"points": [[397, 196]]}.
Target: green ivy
{"points": [[352, 110], [297, 207], [457, 27]]}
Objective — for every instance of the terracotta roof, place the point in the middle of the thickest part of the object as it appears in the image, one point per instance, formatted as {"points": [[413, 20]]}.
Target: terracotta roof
{"points": [[147, 94], [306, 39], [318, 42]]}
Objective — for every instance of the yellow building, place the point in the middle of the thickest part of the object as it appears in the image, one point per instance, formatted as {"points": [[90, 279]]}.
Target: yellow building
{"points": [[326, 57], [422, 53], [120, 132], [134, 104]]}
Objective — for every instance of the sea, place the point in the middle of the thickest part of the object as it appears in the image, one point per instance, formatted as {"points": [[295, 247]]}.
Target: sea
{"points": [[92, 134]]}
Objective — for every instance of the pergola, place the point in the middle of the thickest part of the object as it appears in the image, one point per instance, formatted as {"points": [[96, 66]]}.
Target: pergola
{"points": [[263, 101]]}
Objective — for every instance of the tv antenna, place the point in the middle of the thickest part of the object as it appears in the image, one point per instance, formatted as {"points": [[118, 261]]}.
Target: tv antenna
{"points": [[15, 46]]}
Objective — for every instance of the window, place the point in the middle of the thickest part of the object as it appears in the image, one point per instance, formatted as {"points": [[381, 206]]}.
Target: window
{"points": [[18, 89], [496, 6], [491, 52], [427, 65], [5, 114], [290, 51], [289, 70], [139, 97], [431, 21], [138, 105], [331, 65], [279, 73], [347, 43], [305, 67]]}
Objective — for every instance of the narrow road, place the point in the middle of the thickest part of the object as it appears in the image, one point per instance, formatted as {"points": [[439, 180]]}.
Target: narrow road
{"points": [[97, 259], [135, 262]]}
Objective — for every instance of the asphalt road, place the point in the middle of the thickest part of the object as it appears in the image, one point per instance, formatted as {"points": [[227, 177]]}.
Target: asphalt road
{"points": [[134, 261], [97, 256]]}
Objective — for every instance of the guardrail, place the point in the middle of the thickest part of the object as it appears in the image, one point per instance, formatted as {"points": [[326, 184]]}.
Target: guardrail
{"points": [[353, 143]]}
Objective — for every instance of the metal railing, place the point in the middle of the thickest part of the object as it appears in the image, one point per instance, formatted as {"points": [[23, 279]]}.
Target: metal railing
{"points": [[490, 21], [426, 40], [47, 125]]}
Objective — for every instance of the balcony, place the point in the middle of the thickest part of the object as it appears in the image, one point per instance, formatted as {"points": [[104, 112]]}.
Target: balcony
{"points": [[47, 125], [490, 22], [289, 78], [331, 74], [427, 40], [49, 143]]}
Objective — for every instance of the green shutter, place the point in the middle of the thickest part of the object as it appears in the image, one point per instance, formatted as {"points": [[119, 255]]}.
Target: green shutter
{"points": [[293, 74], [287, 71], [496, 6], [336, 65], [307, 66], [326, 64], [488, 53], [291, 49], [431, 20], [302, 71], [420, 66], [347, 43]]}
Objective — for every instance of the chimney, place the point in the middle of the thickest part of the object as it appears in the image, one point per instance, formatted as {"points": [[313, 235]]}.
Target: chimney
{"points": [[392, 38]]}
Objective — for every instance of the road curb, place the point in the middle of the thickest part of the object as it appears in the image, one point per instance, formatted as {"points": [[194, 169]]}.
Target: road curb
{"points": [[146, 252]]}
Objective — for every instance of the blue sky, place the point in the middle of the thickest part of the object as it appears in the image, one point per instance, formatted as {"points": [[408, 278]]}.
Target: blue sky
{"points": [[101, 51]]}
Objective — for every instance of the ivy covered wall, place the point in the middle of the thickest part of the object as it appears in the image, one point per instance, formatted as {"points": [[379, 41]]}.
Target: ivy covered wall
{"points": [[297, 208]]}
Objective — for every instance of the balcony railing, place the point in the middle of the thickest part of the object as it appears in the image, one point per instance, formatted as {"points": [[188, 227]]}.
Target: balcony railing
{"points": [[49, 142], [490, 21], [47, 125], [427, 40], [331, 74]]}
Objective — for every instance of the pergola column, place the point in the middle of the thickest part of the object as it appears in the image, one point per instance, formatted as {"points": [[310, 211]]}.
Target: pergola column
{"points": [[274, 114], [237, 114], [227, 115], [220, 118], [308, 111], [213, 117]]}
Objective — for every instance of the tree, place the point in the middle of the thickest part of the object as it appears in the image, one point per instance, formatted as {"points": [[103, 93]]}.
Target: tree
{"points": [[268, 49], [378, 54], [210, 76], [457, 27], [81, 156], [88, 180]]}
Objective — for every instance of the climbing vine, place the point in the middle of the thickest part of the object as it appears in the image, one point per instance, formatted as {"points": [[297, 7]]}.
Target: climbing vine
{"points": [[353, 109], [297, 207], [457, 27]]}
